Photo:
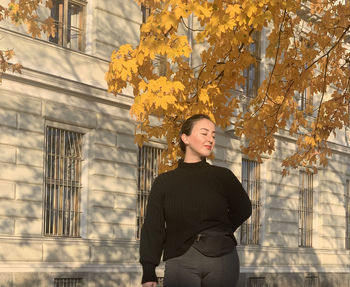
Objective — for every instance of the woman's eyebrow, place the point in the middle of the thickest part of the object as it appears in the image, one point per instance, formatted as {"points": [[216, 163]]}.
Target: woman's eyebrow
{"points": [[207, 130]]}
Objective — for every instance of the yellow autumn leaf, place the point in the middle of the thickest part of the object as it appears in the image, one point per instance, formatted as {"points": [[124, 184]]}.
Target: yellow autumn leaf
{"points": [[233, 10], [205, 78], [168, 21], [251, 10]]}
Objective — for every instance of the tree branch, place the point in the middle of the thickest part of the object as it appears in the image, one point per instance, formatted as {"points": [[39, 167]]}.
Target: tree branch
{"points": [[332, 48], [322, 97], [188, 28]]}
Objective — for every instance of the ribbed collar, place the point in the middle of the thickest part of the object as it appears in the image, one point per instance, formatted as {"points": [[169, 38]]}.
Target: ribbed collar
{"points": [[192, 165]]}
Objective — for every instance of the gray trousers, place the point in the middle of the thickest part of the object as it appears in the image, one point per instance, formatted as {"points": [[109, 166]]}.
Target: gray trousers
{"points": [[193, 269]]}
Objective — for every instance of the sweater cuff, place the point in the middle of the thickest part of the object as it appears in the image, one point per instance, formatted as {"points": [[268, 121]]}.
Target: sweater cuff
{"points": [[149, 273]]}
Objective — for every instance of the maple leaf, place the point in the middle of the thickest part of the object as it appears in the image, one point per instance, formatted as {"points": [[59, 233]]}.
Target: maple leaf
{"points": [[222, 58], [48, 26]]}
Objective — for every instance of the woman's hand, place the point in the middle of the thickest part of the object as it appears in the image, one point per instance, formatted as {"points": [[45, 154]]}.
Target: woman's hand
{"points": [[149, 284]]}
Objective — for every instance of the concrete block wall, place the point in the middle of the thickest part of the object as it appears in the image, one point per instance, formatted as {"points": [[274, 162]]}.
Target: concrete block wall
{"points": [[113, 179], [278, 248], [109, 194], [21, 166], [116, 23], [109, 24], [58, 88], [281, 204]]}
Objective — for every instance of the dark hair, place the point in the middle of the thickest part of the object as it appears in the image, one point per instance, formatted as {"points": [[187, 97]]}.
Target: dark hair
{"points": [[187, 127]]}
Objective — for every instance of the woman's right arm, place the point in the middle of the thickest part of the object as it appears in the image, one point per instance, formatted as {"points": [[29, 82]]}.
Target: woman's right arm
{"points": [[152, 234], [240, 204]]}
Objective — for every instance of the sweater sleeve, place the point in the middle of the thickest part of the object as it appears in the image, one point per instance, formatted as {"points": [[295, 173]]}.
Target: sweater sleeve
{"points": [[239, 202], [152, 233]]}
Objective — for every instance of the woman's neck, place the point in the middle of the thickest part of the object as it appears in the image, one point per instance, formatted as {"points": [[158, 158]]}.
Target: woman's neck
{"points": [[192, 158], [192, 166]]}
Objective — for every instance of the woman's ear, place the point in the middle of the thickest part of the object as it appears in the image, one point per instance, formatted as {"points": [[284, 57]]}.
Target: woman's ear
{"points": [[184, 138]]}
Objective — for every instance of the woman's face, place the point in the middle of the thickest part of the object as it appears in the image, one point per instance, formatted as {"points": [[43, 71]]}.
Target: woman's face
{"points": [[201, 141]]}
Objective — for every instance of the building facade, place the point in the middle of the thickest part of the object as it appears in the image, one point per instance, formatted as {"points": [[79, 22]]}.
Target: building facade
{"points": [[74, 186]]}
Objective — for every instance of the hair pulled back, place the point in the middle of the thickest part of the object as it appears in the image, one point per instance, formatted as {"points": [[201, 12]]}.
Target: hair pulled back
{"points": [[187, 127]]}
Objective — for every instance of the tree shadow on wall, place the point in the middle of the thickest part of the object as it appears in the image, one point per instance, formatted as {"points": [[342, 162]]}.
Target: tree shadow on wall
{"points": [[278, 253]]}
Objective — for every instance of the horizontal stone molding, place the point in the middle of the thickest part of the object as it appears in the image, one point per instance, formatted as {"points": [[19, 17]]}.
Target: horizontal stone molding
{"points": [[69, 267], [69, 114], [19, 102]]}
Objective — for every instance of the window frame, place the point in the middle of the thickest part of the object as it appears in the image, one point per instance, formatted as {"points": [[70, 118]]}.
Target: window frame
{"points": [[79, 232], [146, 12], [63, 24], [348, 119], [347, 214], [257, 282], [251, 229], [311, 281], [68, 282], [304, 99], [147, 168], [256, 52], [305, 209]]}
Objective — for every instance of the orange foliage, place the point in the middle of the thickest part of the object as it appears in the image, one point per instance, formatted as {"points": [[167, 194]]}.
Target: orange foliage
{"points": [[307, 48]]}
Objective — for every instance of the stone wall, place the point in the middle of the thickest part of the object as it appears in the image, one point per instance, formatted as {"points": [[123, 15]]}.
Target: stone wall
{"points": [[66, 89]]}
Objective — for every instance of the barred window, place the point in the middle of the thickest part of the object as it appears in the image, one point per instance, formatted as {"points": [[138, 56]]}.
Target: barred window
{"points": [[62, 182], [305, 209], [250, 229], [68, 282], [69, 17], [347, 214], [148, 162], [311, 281], [257, 282]]}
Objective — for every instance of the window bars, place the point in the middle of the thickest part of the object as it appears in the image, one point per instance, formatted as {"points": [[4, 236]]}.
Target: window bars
{"points": [[68, 282], [250, 229], [62, 182], [148, 162], [257, 282], [305, 209], [347, 214], [311, 281]]}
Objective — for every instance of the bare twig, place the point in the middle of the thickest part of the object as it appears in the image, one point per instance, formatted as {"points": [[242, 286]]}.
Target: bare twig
{"points": [[188, 28]]}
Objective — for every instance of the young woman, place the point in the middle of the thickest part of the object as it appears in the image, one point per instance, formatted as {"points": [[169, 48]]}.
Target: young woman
{"points": [[191, 215]]}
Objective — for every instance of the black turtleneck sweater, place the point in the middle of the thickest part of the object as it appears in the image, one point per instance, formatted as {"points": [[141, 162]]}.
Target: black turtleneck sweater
{"points": [[182, 203]]}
